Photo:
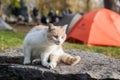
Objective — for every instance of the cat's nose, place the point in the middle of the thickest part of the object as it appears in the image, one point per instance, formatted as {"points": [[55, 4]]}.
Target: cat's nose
{"points": [[57, 42]]}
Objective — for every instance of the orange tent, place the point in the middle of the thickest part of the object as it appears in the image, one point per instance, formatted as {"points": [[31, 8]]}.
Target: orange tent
{"points": [[98, 27]]}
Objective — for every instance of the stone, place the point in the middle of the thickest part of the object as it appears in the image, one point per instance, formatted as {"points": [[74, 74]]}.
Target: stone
{"points": [[93, 66]]}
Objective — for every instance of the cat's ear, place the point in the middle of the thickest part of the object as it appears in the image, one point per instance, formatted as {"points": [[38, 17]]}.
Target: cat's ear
{"points": [[65, 27], [51, 27]]}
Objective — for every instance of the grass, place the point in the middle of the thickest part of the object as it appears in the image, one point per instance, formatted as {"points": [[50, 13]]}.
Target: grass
{"points": [[109, 51], [10, 39]]}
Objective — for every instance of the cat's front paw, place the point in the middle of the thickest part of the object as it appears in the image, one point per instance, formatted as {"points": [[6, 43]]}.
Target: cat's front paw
{"points": [[46, 64], [26, 62], [53, 65]]}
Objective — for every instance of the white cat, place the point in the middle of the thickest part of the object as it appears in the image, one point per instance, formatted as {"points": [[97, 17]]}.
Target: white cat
{"points": [[45, 42]]}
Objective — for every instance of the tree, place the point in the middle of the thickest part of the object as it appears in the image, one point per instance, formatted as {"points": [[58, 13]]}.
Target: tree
{"points": [[112, 5], [0, 8], [87, 4], [60, 5], [108, 4]]}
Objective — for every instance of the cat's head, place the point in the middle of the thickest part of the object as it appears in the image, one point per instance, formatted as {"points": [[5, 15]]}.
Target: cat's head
{"points": [[57, 34]]}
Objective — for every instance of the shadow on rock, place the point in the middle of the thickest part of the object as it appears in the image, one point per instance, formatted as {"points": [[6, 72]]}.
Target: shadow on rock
{"points": [[10, 72], [7, 59]]}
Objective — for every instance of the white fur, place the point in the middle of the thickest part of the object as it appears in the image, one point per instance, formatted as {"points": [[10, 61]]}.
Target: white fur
{"points": [[36, 44]]}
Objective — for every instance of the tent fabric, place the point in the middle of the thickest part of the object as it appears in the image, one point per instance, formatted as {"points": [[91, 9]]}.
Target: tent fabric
{"points": [[4, 26], [69, 19], [65, 20], [98, 27], [73, 22]]}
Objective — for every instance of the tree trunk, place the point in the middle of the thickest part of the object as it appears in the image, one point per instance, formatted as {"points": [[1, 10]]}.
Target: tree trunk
{"points": [[108, 4], [119, 7], [0, 8], [87, 3]]}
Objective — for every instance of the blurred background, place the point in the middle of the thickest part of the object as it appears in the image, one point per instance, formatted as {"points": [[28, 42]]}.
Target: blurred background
{"points": [[38, 11], [17, 17]]}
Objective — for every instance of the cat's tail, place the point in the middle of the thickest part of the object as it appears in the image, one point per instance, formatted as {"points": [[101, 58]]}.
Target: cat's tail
{"points": [[68, 59]]}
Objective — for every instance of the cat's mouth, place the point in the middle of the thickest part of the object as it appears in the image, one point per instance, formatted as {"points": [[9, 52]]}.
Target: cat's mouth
{"points": [[57, 42]]}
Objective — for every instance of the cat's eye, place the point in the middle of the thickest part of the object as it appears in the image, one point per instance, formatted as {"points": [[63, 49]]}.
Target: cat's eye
{"points": [[56, 36]]}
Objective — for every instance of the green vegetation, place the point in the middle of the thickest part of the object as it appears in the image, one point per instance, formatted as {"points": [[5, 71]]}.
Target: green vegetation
{"points": [[10, 39], [109, 51]]}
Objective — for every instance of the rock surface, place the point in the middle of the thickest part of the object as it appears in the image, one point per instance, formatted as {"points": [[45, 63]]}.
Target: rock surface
{"points": [[91, 67]]}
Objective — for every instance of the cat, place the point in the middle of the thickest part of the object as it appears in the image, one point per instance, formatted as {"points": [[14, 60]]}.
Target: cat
{"points": [[45, 42]]}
